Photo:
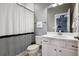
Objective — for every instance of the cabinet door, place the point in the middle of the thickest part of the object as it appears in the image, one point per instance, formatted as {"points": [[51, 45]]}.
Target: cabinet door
{"points": [[48, 49], [3, 47], [45, 50], [52, 50], [45, 46], [66, 52]]}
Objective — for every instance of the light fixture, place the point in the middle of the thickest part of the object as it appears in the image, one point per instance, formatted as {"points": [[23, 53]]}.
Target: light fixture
{"points": [[60, 3], [54, 5]]}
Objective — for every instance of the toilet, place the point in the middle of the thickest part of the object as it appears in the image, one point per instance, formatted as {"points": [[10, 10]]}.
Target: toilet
{"points": [[33, 50]]}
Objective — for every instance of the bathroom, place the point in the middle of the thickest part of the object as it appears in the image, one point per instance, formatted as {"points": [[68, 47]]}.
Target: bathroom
{"points": [[39, 29]]}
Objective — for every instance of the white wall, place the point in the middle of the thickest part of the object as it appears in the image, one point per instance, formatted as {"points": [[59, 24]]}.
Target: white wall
{"points": [[28, 5], [41, 15]]}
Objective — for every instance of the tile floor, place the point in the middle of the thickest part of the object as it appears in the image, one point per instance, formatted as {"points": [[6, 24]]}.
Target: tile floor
{"points": [[24, 53]]}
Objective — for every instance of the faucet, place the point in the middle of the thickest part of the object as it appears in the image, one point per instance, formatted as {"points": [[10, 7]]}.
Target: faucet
{"points": [[77, 37], [59, 33]]}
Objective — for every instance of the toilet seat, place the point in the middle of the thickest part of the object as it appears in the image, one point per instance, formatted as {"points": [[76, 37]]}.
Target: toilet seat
{"points": [[33, 47]]}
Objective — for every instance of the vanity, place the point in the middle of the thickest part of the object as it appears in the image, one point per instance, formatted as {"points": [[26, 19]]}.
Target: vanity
{"points": [[59, 40], [59, 45]]}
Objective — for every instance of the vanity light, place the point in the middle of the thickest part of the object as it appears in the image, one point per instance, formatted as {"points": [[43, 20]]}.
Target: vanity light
{"points": [[60, 3], [54, 5]]}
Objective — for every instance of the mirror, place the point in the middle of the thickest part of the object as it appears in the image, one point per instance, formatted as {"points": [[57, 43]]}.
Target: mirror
{"points": [[60, 17]]}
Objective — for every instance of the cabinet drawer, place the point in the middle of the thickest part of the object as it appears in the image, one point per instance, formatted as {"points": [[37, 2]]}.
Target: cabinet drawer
{"points": [[45, 41], [58, 42], [66, 52], [72, 44]]}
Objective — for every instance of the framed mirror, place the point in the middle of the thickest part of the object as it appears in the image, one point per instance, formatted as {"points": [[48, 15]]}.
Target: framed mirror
{"points": [[60, 17]]}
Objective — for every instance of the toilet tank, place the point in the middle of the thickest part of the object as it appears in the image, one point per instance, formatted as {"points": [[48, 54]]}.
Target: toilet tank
{"points": [[38, 40]]}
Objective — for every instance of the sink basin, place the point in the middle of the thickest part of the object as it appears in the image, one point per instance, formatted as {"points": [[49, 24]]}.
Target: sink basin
{"points": [[66, 36], [59, 36], [62, 36]]}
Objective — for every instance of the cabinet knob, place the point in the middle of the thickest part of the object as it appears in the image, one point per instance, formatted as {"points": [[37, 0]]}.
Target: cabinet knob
{"points": [[74, 46], [77, 37], [45, 41], [54, 49], [60, 50]]}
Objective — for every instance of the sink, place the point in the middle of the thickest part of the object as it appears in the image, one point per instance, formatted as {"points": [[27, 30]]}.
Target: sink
{"points": [[59, 36], [62, 36], [66, 36]]}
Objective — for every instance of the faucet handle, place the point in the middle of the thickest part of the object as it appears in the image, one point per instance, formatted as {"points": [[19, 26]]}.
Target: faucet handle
{"points": [[77, 37]]}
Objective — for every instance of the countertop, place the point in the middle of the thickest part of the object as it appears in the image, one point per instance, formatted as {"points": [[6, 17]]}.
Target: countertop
{"points": [[64, 36]]}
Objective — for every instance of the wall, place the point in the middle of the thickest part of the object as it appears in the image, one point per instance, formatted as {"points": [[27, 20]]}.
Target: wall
{"points": [[51, 15], [41, 15], [30, 6], [76, 18]]}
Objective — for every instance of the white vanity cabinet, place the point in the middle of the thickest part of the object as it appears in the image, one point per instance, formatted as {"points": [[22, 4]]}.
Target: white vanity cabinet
{"points": [[58, 47], [66, 52]]}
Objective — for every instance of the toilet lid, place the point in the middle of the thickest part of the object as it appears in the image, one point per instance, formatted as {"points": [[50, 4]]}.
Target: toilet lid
{"points": [[32, 47]]}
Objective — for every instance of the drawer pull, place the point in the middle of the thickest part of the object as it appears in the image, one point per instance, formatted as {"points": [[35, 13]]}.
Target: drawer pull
{"points": [[60, 50], [74, 46], [45, 41], [54, 49]]}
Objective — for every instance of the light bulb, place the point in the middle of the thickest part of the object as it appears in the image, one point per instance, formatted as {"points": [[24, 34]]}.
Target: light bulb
{"points": [[60, 3], [54, 5]]}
